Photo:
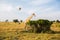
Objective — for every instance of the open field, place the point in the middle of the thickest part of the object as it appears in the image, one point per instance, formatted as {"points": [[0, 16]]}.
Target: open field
{"points": [[7, 33], [9, 26], [28, 36]]}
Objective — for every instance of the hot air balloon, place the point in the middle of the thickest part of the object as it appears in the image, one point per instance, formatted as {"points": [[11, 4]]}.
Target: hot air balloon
{"points": [[19, 8]]}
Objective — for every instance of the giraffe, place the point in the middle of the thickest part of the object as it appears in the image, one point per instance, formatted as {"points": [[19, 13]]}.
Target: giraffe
{"points": [[23, 24]]}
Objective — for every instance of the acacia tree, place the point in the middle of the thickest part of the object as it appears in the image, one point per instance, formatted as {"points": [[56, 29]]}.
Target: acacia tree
{"points": [[40, 25], [15, 20], [6, 20], [44, 25]]}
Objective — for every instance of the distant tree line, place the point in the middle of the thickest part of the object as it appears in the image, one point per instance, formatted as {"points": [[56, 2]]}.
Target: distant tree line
{"points": [[14, 20]]}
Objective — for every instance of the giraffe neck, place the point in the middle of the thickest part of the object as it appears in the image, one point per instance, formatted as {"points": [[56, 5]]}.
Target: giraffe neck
{"points": [[28, 19]]}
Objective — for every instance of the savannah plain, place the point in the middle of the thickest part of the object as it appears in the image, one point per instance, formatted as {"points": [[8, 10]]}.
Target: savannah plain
{"points": [[10, 31]]}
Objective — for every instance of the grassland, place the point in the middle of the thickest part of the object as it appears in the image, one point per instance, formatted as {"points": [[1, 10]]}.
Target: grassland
{"points": [[7, 33], [28, 36]]}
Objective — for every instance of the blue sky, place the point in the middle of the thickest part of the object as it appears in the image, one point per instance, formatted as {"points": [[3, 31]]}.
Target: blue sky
{"points": [[44, 9]]}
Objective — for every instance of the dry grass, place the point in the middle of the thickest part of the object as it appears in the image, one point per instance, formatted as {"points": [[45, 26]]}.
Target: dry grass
{"points": [[7, 33], [10, 26], [28, 36], [55, 26]]}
